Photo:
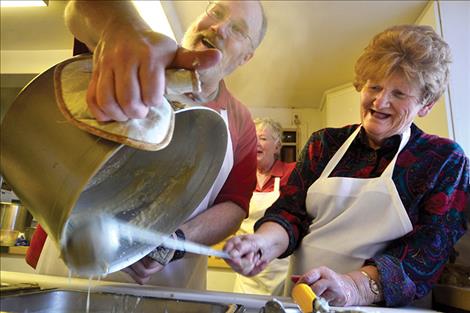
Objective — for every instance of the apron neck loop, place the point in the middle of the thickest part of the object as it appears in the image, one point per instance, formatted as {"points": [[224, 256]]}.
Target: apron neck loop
{"points": [[342, 151], [277, 183]]}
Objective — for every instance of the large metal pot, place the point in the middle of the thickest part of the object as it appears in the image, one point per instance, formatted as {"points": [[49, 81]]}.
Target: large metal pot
{"points": [[57, 169]]}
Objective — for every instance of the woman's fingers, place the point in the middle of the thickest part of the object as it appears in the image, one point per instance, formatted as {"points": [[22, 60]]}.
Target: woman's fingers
{"points": [[326, 283], [244, 254]]}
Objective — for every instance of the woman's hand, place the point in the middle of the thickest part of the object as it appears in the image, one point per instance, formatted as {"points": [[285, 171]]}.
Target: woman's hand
{"points": [[337, 289], [250, 254], [340, 289], [247, 254]]}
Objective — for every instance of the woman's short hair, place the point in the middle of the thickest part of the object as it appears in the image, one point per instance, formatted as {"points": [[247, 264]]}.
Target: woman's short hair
{"points": [[262, 123], [416, 51]]}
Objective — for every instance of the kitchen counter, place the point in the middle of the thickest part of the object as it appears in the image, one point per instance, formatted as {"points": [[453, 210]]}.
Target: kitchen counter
{"points": [[17, 250], [251, 302]]}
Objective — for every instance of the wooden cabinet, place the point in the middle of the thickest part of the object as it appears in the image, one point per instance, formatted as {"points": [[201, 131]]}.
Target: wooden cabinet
{"points": [[290, 144]]}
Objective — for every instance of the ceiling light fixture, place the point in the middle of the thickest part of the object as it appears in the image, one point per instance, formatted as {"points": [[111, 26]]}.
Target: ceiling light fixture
{"points": [[23, 3], [152, 12]]}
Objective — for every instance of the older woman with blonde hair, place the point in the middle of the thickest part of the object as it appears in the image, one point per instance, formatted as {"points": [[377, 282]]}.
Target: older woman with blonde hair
{"points": [[372, 211]]}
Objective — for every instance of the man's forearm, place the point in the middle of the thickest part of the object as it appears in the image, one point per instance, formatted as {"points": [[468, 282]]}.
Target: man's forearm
{"points": [[88, 19], [215, 224]]}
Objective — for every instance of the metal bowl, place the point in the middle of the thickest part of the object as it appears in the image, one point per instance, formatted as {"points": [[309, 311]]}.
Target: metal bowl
{"points": [[8, 237], [14, 216]]}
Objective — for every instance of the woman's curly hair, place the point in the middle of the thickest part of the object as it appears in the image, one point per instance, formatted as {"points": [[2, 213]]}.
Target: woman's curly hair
{"points": [[415, 51]]}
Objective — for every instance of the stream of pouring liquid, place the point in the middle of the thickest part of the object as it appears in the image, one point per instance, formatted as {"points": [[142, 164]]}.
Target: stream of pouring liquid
{"points": [[132, 232]]}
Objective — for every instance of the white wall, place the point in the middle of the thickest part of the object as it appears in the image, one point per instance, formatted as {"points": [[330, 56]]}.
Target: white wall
{"points": [[455, 27], [340, 106], [310, 119], [437, 122]]}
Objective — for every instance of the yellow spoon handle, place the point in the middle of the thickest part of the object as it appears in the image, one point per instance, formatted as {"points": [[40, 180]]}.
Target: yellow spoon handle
{"points": [[304, 296]]}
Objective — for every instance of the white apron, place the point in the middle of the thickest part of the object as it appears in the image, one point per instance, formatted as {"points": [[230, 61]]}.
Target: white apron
{"points": [[354, 218], [271, 279], [189, 272]]}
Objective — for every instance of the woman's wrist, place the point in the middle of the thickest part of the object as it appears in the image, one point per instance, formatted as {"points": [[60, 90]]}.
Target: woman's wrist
{"points": [[368, 290]]}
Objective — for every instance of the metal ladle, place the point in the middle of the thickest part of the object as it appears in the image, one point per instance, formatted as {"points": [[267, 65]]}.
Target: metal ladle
{"points": [[95, 240]]}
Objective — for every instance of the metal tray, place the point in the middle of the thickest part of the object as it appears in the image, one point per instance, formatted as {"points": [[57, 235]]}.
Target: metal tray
{"points": [[67, 301]]}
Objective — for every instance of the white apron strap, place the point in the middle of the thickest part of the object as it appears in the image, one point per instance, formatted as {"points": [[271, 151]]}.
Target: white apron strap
{"points": [[277, 184]]}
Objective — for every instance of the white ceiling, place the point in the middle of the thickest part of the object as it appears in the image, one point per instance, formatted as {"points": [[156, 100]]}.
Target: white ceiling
{"points": [[310, 46]]}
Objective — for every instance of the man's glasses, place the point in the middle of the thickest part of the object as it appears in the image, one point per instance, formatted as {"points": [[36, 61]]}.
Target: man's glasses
{"points": [[220, 13]]}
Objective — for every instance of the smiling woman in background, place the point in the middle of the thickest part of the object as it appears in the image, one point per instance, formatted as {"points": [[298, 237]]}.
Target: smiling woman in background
{"points": [[372, 211], [271, 174]]}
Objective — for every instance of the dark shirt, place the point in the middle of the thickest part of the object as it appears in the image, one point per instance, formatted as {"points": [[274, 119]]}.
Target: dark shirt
{"points": [[432, 178]]}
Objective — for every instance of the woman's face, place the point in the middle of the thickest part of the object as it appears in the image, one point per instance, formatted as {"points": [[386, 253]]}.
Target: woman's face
{"points": [[267, 147], [389, 106]]}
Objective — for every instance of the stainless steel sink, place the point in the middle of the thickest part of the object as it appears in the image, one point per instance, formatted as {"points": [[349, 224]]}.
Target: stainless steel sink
{"points": [[67, 301]]}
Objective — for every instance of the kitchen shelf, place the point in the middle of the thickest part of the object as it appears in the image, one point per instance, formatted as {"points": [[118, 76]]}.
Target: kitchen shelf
{"points": [[290, 144]]}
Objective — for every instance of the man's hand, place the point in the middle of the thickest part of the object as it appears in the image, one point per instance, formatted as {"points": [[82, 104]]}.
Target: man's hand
{"points": [[155, 261], [129, 58], [129, 70], [142, 270]]}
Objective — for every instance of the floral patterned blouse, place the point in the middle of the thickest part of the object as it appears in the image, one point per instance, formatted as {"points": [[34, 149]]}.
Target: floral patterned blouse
{"points": [[432, 178]]}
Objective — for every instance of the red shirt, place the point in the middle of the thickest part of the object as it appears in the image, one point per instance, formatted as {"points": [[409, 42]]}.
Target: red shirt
{"points": [[279, 169], [241, 181]]}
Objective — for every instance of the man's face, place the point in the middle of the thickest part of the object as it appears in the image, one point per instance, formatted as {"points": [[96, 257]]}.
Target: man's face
{"points": [[207, 32]]}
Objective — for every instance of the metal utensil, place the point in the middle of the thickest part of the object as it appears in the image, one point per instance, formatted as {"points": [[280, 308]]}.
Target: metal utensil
{"points": [[273, 306], [13, 219], [95, 240]]}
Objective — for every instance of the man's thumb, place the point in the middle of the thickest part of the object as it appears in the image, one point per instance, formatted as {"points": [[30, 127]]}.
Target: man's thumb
{"points": [[194, 60]]}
